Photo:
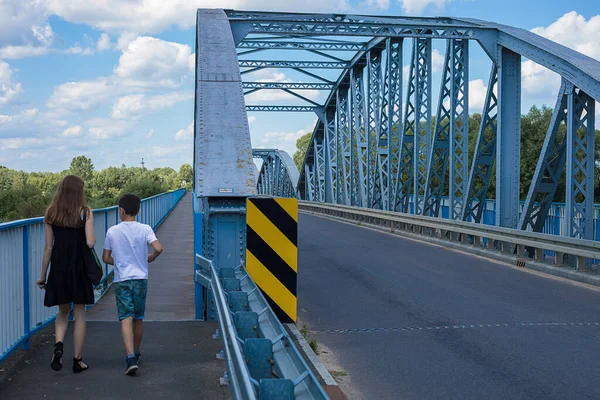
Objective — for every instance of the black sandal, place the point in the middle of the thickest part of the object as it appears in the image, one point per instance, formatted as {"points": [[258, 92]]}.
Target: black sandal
{"points": [[56, 363], [78, 365]]}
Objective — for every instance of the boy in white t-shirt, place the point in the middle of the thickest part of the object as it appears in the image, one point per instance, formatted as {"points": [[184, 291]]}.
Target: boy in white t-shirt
{"points": [[126, 247]]}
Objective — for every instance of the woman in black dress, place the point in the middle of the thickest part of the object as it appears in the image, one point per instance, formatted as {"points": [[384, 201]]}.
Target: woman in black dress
{"points": [[69, 228]]}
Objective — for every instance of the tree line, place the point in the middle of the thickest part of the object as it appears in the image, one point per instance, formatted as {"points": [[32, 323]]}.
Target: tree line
{"points": [[534, 126], [26, 195]]}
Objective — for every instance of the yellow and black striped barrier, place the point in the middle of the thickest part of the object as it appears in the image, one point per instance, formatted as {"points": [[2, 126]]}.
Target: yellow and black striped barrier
{"points": [[272, 251]]}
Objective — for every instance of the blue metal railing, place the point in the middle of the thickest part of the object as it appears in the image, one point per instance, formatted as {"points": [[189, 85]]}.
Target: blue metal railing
{"points": [[22, 312]]}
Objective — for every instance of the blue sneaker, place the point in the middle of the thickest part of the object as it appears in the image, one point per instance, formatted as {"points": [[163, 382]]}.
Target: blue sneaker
{"points": [[138, 354], [132, 366]]}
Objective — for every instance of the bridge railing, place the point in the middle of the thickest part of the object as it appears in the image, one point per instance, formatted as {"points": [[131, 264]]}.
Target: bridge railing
{"points": [[479, 235], [22, 310], [254, 340]]}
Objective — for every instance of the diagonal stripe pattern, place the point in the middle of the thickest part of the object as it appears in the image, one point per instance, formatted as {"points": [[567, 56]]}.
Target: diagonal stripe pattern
{"points": [[272, 251]]}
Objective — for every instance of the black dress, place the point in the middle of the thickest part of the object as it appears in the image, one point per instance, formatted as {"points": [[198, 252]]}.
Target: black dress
{"points": [[68, 281]]}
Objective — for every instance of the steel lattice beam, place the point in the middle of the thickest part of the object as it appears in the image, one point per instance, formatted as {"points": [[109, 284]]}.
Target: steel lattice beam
{"points": [[485, 154], [278, 175], [293, 64], [450, 142], [257, 108], [549, 169], [280, 45], [288, 85], [579, 211]]}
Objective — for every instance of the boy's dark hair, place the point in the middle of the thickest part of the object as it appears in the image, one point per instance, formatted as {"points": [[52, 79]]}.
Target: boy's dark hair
{"points": [[130, 203]]}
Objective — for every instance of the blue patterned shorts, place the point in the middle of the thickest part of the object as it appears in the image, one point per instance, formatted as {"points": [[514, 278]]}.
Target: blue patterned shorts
{"points": [[131, 298]]}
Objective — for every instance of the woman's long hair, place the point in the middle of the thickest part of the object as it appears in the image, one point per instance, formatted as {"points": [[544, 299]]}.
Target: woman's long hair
{"points": [[67, 204]]}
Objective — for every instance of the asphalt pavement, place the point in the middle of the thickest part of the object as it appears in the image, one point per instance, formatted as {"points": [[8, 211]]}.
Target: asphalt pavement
{"points": [[410, 320]]}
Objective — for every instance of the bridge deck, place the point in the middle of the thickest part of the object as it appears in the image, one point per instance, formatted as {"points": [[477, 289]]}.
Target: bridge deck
{"points": [[406, 319], [178, 355]]}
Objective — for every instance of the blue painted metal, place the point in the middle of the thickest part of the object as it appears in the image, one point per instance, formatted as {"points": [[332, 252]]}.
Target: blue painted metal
{"points": [[450, 142], [485, 154], [549, 169], [580, 164], [278, 175], [294, 64], [258, 108], [508, 139], [288, 85], [26, 286], [300, 45]]}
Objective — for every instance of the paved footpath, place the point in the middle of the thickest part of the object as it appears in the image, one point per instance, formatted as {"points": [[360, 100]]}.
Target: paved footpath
{"points": [[178, 354]]}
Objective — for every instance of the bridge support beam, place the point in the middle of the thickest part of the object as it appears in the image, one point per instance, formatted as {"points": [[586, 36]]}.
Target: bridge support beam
{"points": [[508, 143], [221, 143]]}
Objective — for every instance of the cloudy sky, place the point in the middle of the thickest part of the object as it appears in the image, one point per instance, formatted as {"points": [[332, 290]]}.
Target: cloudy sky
{"points": [[114, 80]]}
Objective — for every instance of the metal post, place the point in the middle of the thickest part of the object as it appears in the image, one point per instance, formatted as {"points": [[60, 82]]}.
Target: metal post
{"points": [[508, 143], [26, 283]]}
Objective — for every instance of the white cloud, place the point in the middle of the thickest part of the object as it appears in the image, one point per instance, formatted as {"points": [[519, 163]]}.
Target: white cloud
{"points": [[104, 43], [437, 60], [149, 134], [574, 31], [417, 6], [133, 106], [154, 16], [146, 63], [73, 131], [166, 151], [24, 22], [29, 123], [477, 92], [106, 128], [15, 52], [185, 133], [281, 140], [149, 61], [538, 80], [251, 120], [82, 95], [10, 89]]}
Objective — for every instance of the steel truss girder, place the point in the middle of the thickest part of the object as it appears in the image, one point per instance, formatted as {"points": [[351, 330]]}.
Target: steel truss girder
{"points": [[359, 138], [293, 64], [391, 120], [343, 116], [351, 28], [416, 137], [331, 157], [281, 45], [579, 210], [549, 168], [485, 154], [257, 108], [377, 147], [287, 85], [450, 142], [319, 152], [278, 175]]}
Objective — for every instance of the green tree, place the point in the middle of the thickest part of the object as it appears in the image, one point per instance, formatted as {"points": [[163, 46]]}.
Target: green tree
{"points": [[82, 166], [186, 176], [302, 147]]}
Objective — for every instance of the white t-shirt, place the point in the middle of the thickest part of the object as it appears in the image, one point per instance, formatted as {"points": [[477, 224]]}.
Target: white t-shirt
{"points": [[129, 242]]}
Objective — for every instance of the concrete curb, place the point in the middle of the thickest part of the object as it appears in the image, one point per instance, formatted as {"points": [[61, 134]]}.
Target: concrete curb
{"points": [[312, 357], [563, 272]]}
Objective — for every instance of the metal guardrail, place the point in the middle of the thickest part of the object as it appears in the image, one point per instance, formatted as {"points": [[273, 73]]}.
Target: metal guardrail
{"points": [[256, 345], [22, 310], [479, 235]]}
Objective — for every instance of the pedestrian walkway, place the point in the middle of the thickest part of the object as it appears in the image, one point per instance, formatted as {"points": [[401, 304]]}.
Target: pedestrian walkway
{"points": [[178, 354]]}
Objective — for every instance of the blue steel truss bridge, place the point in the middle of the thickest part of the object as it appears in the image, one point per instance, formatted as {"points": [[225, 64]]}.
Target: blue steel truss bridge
{"points": [[421, 281]]}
